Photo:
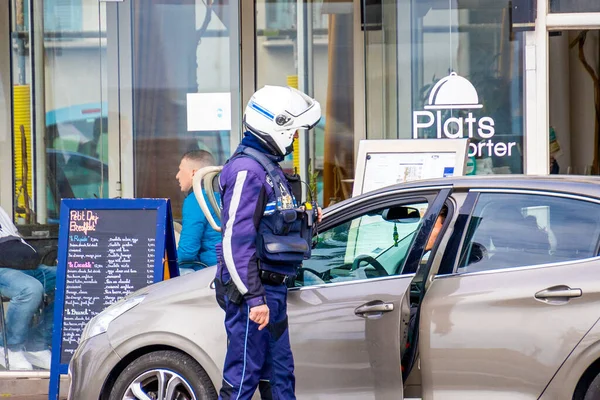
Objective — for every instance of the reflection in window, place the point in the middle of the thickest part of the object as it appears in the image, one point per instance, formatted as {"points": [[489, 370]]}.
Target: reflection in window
{"points": [[518, 230], [280, 14], [182, 64], [412, 91], [370, 246], [75, 99], [73, 174], [23, 136], [278, 54], [62, 15], [574, 6]]}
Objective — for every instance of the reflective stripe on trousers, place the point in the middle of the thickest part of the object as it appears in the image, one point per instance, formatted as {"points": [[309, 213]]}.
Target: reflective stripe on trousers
{"points": [[258, 359]]}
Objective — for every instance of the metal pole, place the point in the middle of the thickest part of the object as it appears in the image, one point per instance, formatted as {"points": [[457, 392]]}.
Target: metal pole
{"points": [[20, 21], [304, 52], [36, 24]]}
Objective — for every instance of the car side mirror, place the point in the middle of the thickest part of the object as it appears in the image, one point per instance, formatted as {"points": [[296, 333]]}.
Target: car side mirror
{"points": [[315, 241], [402, 215], [478, 253]]}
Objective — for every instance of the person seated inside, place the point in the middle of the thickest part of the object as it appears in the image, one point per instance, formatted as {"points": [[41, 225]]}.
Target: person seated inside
{"points": [[437, 228], [435, 232], [24, 282], [197, 241]]}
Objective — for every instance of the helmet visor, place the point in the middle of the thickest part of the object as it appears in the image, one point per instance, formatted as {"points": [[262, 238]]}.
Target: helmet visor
{"points": [[308, 118]]}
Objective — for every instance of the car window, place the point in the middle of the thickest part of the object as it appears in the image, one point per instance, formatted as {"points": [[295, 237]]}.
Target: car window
{"points": [[515, 230], [372, 245], [51, 204], [86, 182], [86, 136], [74, 175]]}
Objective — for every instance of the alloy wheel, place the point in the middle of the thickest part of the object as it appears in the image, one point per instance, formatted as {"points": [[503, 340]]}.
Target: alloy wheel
{"points": [[159, 384]]}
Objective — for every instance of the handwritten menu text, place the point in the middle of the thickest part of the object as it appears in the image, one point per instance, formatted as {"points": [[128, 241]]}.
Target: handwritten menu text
{"points": [[111, 254]]}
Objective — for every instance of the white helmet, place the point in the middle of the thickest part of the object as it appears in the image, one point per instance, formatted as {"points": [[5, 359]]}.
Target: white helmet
{"points": [[274, 113]]}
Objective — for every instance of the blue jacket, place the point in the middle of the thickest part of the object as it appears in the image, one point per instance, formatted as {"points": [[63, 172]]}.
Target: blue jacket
{"points": [[198, 239], [246, 196]]}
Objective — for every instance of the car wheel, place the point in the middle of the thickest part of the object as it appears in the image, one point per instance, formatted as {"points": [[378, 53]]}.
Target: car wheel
{"points": [[163, 375], [593, 391]]}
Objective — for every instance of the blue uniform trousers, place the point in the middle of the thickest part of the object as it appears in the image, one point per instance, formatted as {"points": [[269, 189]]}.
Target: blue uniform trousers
{"points": [[258, 359]]}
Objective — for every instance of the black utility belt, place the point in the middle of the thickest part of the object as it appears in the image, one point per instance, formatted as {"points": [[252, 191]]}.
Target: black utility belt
{"points": [[273, 278]]}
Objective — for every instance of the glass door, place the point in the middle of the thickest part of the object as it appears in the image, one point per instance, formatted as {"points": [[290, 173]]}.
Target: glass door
{"points": [[179, 67], [72, 67], [115, 94], [54, 90], [310, 45]]}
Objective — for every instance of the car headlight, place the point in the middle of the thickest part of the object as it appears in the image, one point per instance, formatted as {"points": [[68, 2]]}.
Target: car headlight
{"points": [[99, 324]]}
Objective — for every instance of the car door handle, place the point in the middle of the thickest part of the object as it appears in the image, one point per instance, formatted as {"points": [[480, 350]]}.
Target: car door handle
{"points": [[373, 308], [559, 292]]}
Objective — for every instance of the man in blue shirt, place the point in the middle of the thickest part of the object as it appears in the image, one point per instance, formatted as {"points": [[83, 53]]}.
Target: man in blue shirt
{"points": [[196, 249]]}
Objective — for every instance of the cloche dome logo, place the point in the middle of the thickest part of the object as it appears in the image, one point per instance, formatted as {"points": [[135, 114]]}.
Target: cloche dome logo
{"points": [[453, 92]]}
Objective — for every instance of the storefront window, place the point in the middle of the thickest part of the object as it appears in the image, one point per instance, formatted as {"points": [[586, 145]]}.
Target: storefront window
{"points": [[572, 103], [23, 140], [574, 6], [326, 64], [448, 70], [27, 320], [178, 66], [75, 46], [184, 89]]}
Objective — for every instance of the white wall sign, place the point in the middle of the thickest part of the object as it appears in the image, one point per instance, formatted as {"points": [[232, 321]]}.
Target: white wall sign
{"points": [[385, 169], [209, 111], [384, 163]]}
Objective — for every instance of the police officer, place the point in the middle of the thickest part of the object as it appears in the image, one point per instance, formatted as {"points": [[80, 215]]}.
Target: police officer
{"points": [[266, 236]]}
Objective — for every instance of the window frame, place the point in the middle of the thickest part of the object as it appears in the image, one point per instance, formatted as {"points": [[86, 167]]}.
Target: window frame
{"points": [[471, 203], [451, 204], [357, 208]]}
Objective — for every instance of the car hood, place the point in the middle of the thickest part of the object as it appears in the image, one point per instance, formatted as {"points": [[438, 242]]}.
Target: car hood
{"points": [[191, 287], [181, 313]]}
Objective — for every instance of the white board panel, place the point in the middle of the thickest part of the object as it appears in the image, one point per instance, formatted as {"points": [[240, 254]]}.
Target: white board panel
{"points": [[384, 163]]}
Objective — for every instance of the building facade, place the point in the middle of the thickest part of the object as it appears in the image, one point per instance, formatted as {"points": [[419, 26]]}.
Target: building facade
{"points": [[100, 98]]}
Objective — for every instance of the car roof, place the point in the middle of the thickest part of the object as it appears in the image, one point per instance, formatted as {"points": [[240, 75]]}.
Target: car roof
{"points": [[583, 185], [77, 112]]}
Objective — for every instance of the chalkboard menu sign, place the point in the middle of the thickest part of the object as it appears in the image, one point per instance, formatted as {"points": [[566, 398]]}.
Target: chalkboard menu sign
{"points": [[110, 255], [107, 250]]}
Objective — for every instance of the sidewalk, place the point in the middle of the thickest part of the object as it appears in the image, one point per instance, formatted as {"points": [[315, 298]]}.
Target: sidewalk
{"points": [[14, 387]]}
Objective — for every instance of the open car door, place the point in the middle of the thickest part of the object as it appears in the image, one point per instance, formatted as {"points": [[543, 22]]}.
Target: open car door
{"points": [[353, 311]]}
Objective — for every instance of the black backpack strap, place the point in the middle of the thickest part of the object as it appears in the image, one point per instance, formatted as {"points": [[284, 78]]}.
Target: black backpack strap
{"points": [[269, 166]]}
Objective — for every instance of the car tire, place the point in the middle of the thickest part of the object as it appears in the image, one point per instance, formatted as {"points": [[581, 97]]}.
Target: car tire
{"points": [[593, 391], [172, 366]]}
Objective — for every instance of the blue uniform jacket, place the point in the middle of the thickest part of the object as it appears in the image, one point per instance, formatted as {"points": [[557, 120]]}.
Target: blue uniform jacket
{"points": [[246, 195], [198, 239]]}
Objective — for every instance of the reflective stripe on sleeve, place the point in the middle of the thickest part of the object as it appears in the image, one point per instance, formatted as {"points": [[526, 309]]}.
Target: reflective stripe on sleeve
{"points": [[227, 250]]}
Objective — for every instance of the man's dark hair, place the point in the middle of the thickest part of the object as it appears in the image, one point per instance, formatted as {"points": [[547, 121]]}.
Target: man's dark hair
{"points": [[444, 211], [202, 157]]}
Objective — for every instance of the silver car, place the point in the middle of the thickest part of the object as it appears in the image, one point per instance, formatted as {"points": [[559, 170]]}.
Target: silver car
{"points": [[498, 300]]}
